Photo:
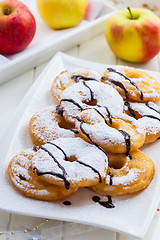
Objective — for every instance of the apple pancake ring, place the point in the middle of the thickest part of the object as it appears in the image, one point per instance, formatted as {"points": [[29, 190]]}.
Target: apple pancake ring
{"points": [[125, 176], [21, 174], [70, 162], [69, 77], [83, 95], [133, 84], [121, 135], [148, 117], [49, 124]]}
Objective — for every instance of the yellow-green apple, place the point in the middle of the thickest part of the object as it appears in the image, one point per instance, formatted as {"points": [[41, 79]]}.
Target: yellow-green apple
{"points": [[134, 34], [17, 26], [59, 14]]}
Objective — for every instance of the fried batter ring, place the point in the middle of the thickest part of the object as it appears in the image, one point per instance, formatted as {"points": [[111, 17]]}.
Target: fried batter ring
{"points": [[49, 124], [90, 94], [21, 174], [121, 135], [148, 118], [70, 162], [133, 84], [69, 77], [126, 176]]}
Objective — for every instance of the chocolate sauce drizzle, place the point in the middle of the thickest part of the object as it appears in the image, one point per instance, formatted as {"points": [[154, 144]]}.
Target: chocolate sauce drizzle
{"points": [[87, 135], [35, 149], [61, 176], [108, 112], [76, 78], [59, 110], [80, 162], [92, 98], [92, 95], [128, 142], [91, 92], [73, 130], [127, 104], [65, 156], [111, 178], [131, 82], [72, 101], [106, 204], [95, 170], [151, 116], [67, 184], [109, 115], [22, 178], [125, 134], [67, 203], [119, 84], [64, 176], [86, 165], [152, 108], [99, 113]]}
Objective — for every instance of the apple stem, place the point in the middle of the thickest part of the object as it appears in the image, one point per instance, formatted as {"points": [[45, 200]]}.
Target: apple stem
{"points": [[7, 11], [130, 12]]}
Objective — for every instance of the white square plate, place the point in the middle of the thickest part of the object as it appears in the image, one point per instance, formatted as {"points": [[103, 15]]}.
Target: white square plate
{"points": [[132, 213], [47, 41]]}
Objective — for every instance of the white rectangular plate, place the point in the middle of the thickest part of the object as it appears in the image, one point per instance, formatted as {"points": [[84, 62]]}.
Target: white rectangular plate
{"points": [[132, 213], [47, 41]]}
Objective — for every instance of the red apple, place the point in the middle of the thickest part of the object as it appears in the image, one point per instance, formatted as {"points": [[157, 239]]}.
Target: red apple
{"points": [[17, 26]]}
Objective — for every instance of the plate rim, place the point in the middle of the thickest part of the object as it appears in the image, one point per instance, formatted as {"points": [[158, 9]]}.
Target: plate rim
{"points": [[10, 129]]}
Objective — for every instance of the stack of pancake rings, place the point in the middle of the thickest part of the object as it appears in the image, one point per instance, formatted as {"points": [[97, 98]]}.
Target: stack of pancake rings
{"points": [[92, 137]]}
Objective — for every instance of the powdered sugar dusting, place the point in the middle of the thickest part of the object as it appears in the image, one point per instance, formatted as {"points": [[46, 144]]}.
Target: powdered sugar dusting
{"points": [[20, 166], [149, 91], [46, 125], [73, 147], [101, 133], [143, 109], [116, 76], [104, 94], [127, 179], [96, 128], [63, 80], [21, 173], [148, 123]]}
